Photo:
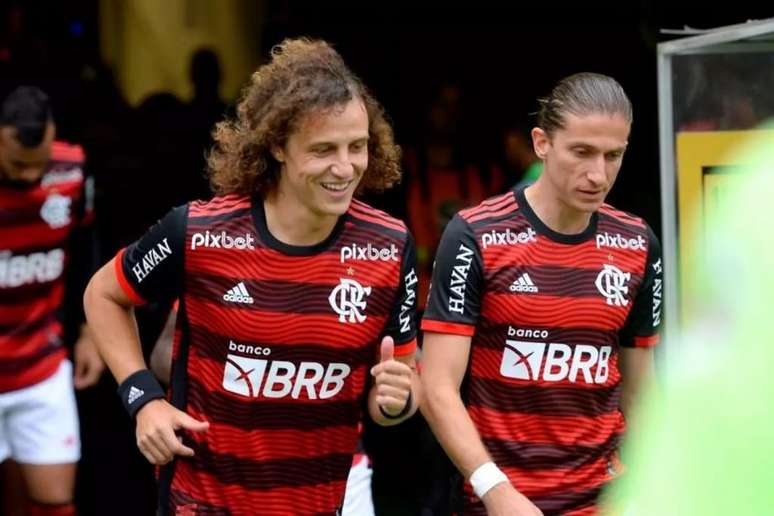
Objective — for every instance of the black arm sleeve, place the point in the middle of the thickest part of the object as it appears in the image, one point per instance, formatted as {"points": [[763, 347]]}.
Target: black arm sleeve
{"points": [[151, 268], [402, 324], [458, 281], [642, 325]]}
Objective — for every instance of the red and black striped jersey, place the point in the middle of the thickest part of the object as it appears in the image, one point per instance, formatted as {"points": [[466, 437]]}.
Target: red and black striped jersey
{"points": [[547, 313], [37, 222], [274, 344]]}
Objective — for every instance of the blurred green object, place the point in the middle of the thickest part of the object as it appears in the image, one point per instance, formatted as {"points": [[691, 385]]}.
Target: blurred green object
{"points": [[704, 442], [533, 171]]}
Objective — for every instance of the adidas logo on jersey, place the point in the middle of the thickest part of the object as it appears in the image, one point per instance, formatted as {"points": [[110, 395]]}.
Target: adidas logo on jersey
{"points": [[134, 393], [523, 284], [239, 294]]}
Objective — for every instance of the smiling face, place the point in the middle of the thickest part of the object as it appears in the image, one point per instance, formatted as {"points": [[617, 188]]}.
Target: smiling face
{"points": [[324, 160], [582, 159]]}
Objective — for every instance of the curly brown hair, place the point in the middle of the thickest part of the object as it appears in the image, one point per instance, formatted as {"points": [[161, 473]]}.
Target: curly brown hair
{"points": [[303, 76]]}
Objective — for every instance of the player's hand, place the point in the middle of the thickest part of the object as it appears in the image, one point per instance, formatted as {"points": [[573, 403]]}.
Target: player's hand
{"points": [[392, 380], [88, 364], [504, 500], [157, 422]]}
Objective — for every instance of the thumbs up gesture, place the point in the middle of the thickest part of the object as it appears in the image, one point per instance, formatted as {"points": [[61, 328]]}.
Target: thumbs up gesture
{"points": [[392, 381]]}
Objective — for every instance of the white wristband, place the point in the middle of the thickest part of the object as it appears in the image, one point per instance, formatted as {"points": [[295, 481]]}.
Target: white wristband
{"points": [[485, 478]]}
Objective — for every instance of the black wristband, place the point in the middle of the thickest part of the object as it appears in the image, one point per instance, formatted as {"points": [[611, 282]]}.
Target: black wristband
{"points": [[403, 411], [138, 389]]}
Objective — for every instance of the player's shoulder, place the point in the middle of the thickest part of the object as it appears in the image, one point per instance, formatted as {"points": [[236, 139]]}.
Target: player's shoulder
{"points": [[614, 218], [65, 167], [222, 206], [492, 209], [364, 214]]}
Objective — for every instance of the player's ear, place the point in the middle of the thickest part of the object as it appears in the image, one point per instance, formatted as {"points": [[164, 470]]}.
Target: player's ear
{"points": [[278, 153], [540, 142]]}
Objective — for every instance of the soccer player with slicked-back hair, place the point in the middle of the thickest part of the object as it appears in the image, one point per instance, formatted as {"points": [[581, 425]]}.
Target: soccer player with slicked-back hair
{"points": [[297, 303], [542, 317]]}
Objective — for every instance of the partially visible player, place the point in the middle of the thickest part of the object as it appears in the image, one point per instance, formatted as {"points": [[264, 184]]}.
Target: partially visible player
{"points": [[290, 291], [45, 213], [546, 302]]}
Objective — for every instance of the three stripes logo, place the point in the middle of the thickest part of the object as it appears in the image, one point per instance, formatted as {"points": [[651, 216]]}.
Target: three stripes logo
{"points": [[523, 284], [239, 294], [134, 393]]}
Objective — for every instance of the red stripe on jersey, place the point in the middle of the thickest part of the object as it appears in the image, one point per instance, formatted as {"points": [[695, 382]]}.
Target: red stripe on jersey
{"points": [[285, 328], [38, 235], [35, 374], [492, 214], [373, 217], [268, 264], [543, 429], [622, 216], [550, 253], [466, 330], [261, 444], [405, 349], [492, 204], [321, 498], [33, 309], [646, 342], [586, 511], [132, 294], [218, 206], [555, 311], [543, 482], [14, 347], [362, 207], [62, 151]]}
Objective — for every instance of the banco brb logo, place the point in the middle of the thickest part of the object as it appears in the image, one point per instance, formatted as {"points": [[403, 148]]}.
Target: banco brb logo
{"points": [[348, 300], [555, 361]]}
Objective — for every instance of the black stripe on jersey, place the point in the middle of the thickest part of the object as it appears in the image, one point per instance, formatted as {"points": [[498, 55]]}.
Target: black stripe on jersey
{"points": [[552, 280], [14, 365], [549, 401], [178, 498], [283, 296], [29, 292], [608, 222], [207, 220], [225, 409], [215, 347], [512, 218], [384, 230], [493, 336], [263, 475], [559, 503], [15, 329], [20, 216], [525, 455]]}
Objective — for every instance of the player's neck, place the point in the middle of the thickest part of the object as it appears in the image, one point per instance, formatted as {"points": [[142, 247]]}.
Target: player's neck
{"points": [[554, 213], [295, 225]]}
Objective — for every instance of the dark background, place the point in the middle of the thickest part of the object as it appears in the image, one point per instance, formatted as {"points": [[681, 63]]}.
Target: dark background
{"points": [[501, 58]]}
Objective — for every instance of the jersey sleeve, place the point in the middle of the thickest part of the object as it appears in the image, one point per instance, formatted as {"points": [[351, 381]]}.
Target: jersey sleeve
{"points": [[151, 269], [642, 325], [402, 325], [454, 303]]}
